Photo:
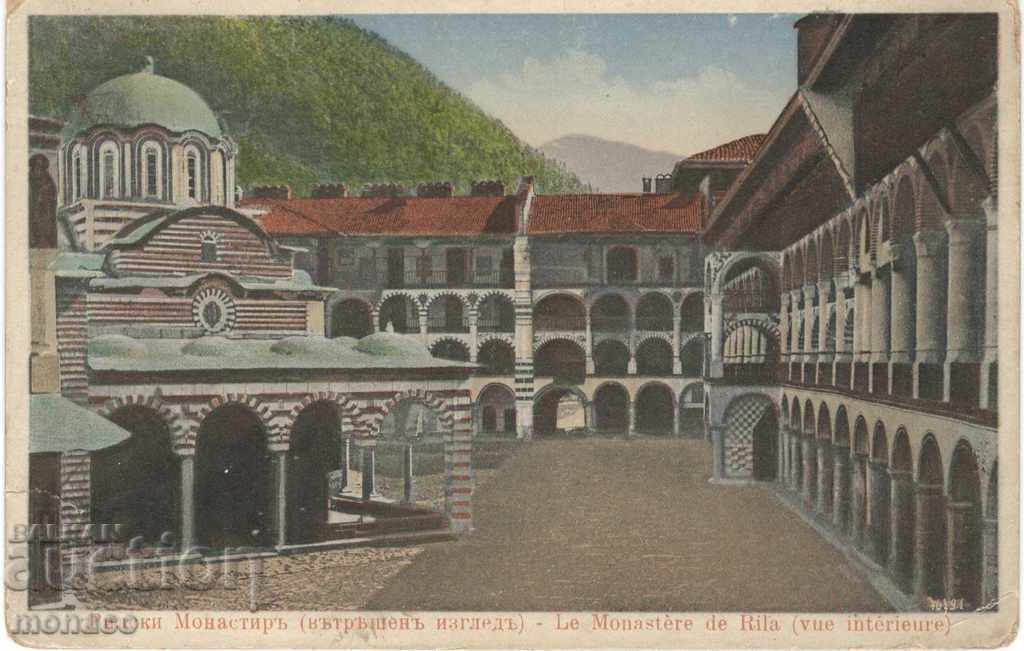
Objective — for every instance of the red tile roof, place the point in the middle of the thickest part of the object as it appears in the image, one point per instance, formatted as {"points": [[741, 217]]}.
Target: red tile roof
{"points": [[387, 215], [742, 149], [616, 213]]}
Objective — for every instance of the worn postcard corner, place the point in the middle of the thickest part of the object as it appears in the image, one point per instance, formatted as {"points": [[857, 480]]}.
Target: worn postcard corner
{"points": [[494, 325]]}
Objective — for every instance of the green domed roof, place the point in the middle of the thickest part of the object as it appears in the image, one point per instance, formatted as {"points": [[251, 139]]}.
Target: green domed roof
{"points": [[391, 344], [145, 98]]}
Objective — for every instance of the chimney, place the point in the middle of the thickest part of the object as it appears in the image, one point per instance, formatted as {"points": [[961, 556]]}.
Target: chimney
{"points": [[647, 184], [328, 191], [487, 188], [663, 183], [281, 192], [383, 190], [438, 189]]}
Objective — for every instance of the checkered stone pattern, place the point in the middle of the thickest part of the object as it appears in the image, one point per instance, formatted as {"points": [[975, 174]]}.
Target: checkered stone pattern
{"points": [[743, 416]]}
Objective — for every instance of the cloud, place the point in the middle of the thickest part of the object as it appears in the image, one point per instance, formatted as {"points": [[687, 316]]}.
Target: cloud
{"points": [[575, 93]]}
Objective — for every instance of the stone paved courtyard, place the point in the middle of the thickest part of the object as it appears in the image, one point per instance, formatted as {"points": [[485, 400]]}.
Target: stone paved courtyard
{"points": [[591, 524]]}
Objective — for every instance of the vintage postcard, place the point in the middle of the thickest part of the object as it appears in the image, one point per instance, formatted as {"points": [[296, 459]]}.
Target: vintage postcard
{"points": [[512, 325]]}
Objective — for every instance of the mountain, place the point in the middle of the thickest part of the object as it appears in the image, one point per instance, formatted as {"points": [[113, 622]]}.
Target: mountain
{"points": [[607, 165], [309, 99]]}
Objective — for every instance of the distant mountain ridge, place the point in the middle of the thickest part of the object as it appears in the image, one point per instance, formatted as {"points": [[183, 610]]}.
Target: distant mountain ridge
{"points": [[608, 165], [309, 99]]}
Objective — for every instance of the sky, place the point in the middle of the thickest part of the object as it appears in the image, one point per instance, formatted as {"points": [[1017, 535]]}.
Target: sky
{"points": [[679, 83]]}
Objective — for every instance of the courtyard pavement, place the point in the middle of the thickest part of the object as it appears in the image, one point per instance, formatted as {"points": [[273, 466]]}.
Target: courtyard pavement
{"points": [[617, 525]]}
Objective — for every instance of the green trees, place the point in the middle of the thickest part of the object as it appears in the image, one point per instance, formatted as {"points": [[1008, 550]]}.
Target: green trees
{"points": [[309, 99]]}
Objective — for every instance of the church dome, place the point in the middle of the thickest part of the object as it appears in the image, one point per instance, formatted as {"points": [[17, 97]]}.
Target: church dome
{"points": [[145, 98]]}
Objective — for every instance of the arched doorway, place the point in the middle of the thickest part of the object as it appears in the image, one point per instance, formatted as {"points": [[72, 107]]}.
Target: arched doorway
{"points": [[497, 358], [825, 461], [611, 408], [558, 409], [880, 496], [964, 522], [497, 405], [691, 313], [496, 313], [654, 357], [559, 312], [861, 451], [400, 313], [611, 358], [841, 472], [692, 357], [765, 442], [351, 318], [930, 544], [450, 349], [445, 314], [609, 313], [233, 480], [655, 409], [407, 464], [691, 412], [314, 453], [810, 456], [654, 312], [902, 516], [135, 483], [561, 359]]}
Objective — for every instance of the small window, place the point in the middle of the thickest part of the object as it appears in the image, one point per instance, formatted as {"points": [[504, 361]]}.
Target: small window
{"points": [[191, 172], [209, 250], [78, 176], [108, 174], [666, 268], [345, 256], [485, 265], [151, 173]]}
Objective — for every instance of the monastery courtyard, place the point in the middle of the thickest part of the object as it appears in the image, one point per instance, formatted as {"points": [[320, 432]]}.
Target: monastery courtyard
{"points": [[579, 524]]}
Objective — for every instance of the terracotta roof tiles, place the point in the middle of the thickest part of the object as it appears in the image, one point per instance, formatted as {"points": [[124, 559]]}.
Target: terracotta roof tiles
{"points": [[741, 150], [616, 213]]}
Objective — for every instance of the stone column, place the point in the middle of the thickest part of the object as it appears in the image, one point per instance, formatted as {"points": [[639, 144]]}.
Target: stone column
{"points": [[959, 516], [989, 561], [784, 331], [281, 503], [407, 474], [826, 348], [824, 502], [878, 510], [369, 467], [990, 354], [840, 487], [783, 465], [474, 339], [423, 326], [375, 319], [901, 322], [901, 536], [717, 364], [797, 468], [631, 419], [880, 329], [677, 363], [965, 284], [717, 451], [631, 364], [810, 345], [809, 459], [588, 345], [857, 532], [930, 318], [862, 330], [929, 551], [346, 461], [188, 498]]}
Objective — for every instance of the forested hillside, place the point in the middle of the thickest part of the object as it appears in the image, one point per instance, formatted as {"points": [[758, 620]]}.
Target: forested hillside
{"points": [[308, 99]]}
